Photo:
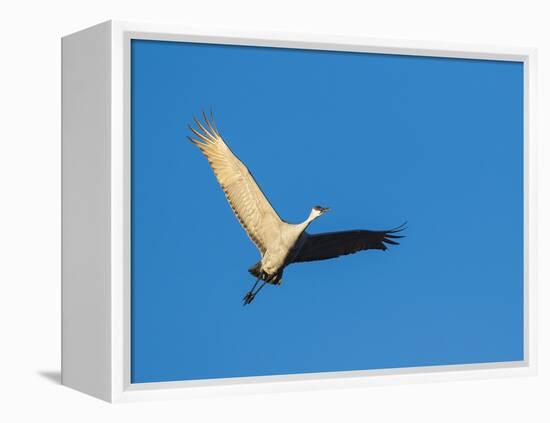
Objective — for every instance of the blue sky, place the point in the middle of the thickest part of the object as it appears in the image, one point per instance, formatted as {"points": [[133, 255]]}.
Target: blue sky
{"points": [[380, 139]]}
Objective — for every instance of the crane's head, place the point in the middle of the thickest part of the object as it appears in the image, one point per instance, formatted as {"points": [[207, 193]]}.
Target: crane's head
{"points": [[318, 211]]}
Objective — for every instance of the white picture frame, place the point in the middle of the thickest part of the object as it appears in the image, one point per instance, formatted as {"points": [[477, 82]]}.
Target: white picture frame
{"points": [[96, 213]]}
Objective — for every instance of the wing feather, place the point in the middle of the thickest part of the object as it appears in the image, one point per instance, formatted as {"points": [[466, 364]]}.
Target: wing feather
{"points": [[334, 244], [249, 204]]}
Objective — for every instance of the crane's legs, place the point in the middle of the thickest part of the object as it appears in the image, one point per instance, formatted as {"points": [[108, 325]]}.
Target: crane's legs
{"points": [[250, 295]]}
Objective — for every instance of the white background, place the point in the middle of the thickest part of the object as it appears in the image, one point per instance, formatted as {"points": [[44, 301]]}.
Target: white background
{"points": [[30, 208]]}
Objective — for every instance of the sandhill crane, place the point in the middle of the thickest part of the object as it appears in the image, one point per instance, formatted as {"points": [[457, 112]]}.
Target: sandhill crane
{"points": [[280, 243]]}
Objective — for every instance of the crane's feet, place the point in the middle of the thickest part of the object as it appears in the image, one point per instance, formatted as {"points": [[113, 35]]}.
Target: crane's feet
{"points": [[250, 295], [248, 298]]}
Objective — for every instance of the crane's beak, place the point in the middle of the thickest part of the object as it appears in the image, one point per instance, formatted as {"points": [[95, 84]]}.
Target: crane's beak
{"points": [[325, 209]]}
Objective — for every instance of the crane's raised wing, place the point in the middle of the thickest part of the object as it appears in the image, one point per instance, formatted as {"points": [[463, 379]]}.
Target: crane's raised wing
{"points": [[334, 244], [253, 210]]}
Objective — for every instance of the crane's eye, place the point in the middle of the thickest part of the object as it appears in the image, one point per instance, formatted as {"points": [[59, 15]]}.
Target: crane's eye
{"points": [[321, 209]]}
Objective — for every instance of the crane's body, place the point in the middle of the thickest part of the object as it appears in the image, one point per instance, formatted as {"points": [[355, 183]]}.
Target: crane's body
{"points": [[287, 239], [280, 243]]}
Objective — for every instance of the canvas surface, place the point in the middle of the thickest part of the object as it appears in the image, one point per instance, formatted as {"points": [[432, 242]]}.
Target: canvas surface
{"points": [[380, 139]]}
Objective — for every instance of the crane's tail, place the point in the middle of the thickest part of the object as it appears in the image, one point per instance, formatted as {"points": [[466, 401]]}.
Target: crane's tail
{"points": [[257, 272]]}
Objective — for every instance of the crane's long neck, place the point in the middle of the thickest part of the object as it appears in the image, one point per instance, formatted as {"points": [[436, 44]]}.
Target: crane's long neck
{"points": [[312, 216]]}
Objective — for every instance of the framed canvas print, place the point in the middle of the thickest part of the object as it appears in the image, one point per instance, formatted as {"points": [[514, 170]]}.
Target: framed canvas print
{"points": [[254, 212]]}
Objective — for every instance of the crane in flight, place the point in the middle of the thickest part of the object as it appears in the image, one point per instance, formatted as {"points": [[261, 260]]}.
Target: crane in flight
{"points": [[280, 243]]}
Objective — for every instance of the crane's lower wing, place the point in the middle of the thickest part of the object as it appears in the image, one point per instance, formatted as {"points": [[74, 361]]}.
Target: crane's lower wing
{"points": [[334, 244], [245, 197]]}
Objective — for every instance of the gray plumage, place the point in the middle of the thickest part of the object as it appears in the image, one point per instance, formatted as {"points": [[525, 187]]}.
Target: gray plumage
{"points": [[280, 243]]}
